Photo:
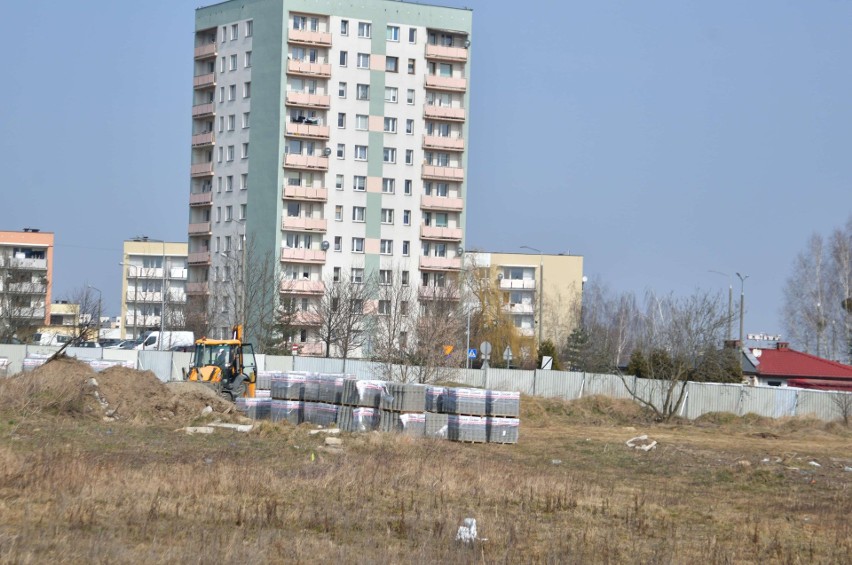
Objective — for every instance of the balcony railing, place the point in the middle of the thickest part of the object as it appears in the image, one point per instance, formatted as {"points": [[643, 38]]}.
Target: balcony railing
{"points": [[209, 50], [23, 263], [308, 100], [199, 228], [517, 284], [177, 274], [438, 293], [440, 263], [519, 308], [444, 234], [305, 193], [443, 173], [205, 80], [302, 287], [201, 169], [307, 130], [201, 110], [309, 37], [199, 258], [203, 139], [201, 198], [446, 143], [26, 288], [446, 53], [442, 203], [135, 272], [197, 288], [306, 318], [444, 113], [455, 84], [304, 224], [298, 255], [309, 162], [142, 296], [308, 69]]}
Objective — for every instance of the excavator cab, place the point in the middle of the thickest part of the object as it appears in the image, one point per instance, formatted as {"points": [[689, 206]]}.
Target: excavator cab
{"points": [[228, 365]]}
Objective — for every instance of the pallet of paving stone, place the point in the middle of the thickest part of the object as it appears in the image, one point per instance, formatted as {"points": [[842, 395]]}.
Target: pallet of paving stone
{"points": [[503, 430], [255, 408], [321, 413], [404, 397], [389, 421], [413, 423], [435, 396], [288, 386], [287, 411], [436, 425], [465, 401], [473, 429], [311, 388], [503, 403], [263, 394], [358, 419], [330, 388], [367, 394], [264, 379]]}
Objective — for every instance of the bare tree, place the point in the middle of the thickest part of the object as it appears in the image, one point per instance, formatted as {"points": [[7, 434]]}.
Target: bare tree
{"points": [[394, 325], [87, 319], [341, 315], [285, 326], [843, 404], [436, 349], [22, 299]]}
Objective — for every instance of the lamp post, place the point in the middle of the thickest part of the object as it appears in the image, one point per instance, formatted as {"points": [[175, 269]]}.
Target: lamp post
{"points": [[540, 290], [146, 239], [742, 305], [730, 302], [100, 301]]}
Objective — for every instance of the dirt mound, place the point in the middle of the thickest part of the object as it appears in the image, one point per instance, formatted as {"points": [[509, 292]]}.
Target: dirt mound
{"points": [[594, 410]]}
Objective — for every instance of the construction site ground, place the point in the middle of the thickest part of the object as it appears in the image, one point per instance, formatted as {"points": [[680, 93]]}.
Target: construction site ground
{"points": [[99, 468]]}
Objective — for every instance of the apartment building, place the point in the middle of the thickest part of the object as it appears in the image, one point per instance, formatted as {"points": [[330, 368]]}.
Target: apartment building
{"points": [[153, 285], [542, 293], [332, 137], [26, 278]]}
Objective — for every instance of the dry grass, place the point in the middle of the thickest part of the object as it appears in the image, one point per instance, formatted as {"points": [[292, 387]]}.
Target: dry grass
{"points": [[81, 490]]}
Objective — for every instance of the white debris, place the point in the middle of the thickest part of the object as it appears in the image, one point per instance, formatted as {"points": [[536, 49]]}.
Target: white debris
{"points": [[467, 531], [325, 431], [556, 461], [847, 468], [92, 382], [641, 442], [814, 464], [206, 410], [198, 430], [235, 427]]}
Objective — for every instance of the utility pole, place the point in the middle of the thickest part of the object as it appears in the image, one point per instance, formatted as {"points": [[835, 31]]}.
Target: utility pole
{"points": [[742, 306]]}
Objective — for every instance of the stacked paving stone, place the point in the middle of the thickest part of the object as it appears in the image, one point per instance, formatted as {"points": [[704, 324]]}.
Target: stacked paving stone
{"points": [[257, 408], [457, 414]]}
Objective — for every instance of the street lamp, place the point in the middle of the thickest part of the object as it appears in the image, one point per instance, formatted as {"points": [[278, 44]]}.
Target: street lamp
{"points": [[742, 305], [146, 239], [730, 301], [100, 301], [540, 290]]}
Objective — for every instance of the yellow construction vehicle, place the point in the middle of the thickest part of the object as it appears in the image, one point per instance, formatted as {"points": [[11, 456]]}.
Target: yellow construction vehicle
{"points": [[227, 365]]}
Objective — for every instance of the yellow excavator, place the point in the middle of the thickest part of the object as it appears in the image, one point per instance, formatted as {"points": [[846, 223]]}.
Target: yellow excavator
{"points": [[227, 365]]}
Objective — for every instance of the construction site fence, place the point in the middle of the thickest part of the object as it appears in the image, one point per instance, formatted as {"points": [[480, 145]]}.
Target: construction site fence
{"points": [[699, 398]]}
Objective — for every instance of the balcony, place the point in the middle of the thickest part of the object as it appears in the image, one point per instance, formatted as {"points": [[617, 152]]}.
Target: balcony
{"points": [[458, 54], [199, 258], [202, 110], [204, 81], [519, 308], [443, 234], [302, 287], [201, 199], [306, 318], [201, 228], [24, 263], [307, 131], [305, 68], [442, 203], [197, 288], [314, 348], [305, 193], [141, 320], [202, 169], [308, 37], [439, 293], [177, 274], [136, 272], [308, 100], [444, 113], [200, 139], [453, 84], [209, 50], [26, 288], [432, 172], [299, 255], [517, 284], [445, 143], [440, 263], [304, 224], [140, 296], [308, 162]]}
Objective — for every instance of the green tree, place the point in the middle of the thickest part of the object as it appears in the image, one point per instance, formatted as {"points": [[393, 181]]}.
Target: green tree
{"points": [[547, 348]]}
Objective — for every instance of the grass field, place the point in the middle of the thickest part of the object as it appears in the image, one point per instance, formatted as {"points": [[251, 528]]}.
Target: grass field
{"points": [[75, 488]]}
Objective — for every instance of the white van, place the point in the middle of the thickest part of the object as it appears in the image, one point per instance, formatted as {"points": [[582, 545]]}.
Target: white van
{"points": [[171, 340], [50, 338]]}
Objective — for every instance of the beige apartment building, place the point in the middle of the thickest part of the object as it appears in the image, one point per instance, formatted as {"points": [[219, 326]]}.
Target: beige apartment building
{"points": [[26, 280]]}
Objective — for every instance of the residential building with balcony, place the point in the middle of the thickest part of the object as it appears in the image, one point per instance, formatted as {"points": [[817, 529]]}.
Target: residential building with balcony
{"points": [[356, 116], [154, 284], [26, 278]]}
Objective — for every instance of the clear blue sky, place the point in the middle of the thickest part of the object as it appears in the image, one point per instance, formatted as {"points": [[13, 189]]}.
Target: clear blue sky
{"points": [[657, 139]]}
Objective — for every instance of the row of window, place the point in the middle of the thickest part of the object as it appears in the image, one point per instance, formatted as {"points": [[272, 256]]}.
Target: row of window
{"points": [[235, 30], [232, 62], [232, 122], [227, 182], [362, 92], [228, 152], [226, 247], [229, 214], [232, 92], [363, 61]]}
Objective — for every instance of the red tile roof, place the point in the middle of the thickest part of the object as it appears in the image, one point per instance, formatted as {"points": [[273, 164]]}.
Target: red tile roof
{"points": [[785, 362]]}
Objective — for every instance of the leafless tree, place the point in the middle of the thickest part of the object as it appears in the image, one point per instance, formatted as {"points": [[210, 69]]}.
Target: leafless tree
{"points": [[285, 326], [394, 325], [437, 347], [87, 304], [22, 299], [342, 314], [843, 405]]}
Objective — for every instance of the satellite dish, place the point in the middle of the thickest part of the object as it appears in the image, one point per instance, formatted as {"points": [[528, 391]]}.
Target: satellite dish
{"points": [[324, 246], [326, 151], [460, 251]]}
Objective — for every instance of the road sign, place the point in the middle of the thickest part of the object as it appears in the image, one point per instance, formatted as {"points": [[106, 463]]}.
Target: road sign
{"points": [[485, 347], [546, 362], [471, 353], [507, 354]]}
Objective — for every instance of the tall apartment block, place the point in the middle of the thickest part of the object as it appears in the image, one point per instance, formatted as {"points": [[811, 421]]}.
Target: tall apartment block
{"points": [[26, 278], [332, 136], [153, 282]]}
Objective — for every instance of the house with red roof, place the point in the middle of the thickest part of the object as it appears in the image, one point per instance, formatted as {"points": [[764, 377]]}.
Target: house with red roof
{"points": [[785, 367]]}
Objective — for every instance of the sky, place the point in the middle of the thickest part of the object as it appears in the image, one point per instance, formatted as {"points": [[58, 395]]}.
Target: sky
{"points": [[660, 140]]}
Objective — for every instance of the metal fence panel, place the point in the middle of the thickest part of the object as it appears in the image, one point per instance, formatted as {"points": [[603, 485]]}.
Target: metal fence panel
{"points": [[510, 379], [278, 363], [85, 352], [819, 404], [158, 362], [15, 354], [180, 363], [121, 355], [606, 385], [703, 398], [559, 384]]}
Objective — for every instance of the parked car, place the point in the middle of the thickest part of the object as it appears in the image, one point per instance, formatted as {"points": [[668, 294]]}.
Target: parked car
{"points": [[89, 344], [109, 343]]}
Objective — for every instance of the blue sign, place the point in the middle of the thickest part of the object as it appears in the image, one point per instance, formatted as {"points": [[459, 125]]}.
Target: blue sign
{"points": [[471, 353]]}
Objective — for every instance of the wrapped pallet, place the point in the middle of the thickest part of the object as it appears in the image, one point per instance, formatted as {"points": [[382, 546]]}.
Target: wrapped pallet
{"points": [[503, 430]]}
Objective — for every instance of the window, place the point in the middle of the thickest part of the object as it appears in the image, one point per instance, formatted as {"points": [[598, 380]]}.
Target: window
{"points": [[403, 309], [344, 58], [232, 92], [229, 183], [229, 215], [220, 153], [445, 70], [338, 243], [230, 153], [341, 120], [412, 35], [385, 276], [357, 275], [405, 275], [294, 210], [245, 150], [344, 27], [232, 122], [388, 186], [360, 152], [235, 31], [300, 22], [406, 251], [336, 275], [391, 94], [363, 60], [406, 217], [247, 60], [224, 33], [218, 219], [408, 184], [359, 213], [357, 245], [392, 64], [409, 127], [245, 120], [390, 125], [411, 63], [410, 96], [409, 156], [232, 63], [219, 183], [341, 151], [364, 29], [392, 33], [244, 181], [386, 247], [359, 183], [384, 307], [221, 94], [389, 155], [441, 220], [249, 28], [247, 89], [338, 182], [387, 216], [363, 92], [338, 213], [341, 90], [362, 122]]}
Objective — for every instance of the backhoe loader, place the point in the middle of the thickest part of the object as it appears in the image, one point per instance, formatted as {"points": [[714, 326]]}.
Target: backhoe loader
{"points": [[226, 365]]}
